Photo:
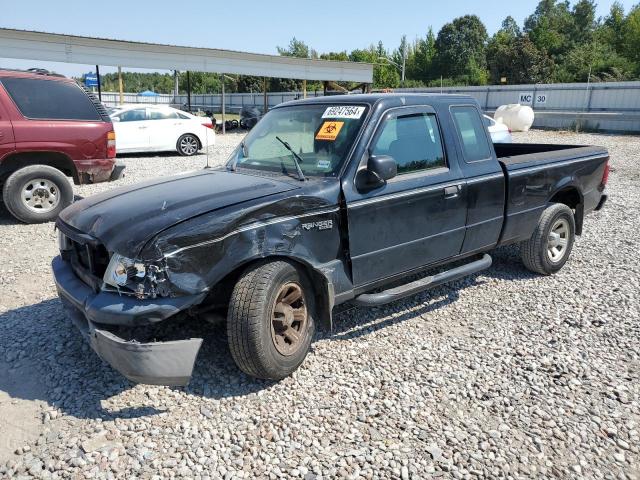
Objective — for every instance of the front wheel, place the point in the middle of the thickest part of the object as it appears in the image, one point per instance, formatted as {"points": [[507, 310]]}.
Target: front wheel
{"points": [[270, 322], [37, 193], [188, 145], [550, 245]]}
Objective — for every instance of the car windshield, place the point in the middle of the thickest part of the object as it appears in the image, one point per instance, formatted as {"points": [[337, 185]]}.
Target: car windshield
{"points": [[321, 137]]}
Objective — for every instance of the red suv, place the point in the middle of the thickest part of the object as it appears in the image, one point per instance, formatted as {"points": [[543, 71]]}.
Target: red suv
{"points": [[51, 128]]}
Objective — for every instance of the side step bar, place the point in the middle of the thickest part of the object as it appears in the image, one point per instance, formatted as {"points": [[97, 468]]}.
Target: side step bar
{"points": [[397, 293]]}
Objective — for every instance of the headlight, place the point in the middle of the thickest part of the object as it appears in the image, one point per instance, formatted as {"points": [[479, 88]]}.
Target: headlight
{"points": [[142, 279], [122, 270]]}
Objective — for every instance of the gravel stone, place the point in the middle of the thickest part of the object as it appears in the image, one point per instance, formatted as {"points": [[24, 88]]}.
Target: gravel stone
{"points": [[503, 374]]}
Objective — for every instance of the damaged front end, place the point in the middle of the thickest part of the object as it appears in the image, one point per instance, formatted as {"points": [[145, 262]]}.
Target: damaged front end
{"points": [[112, 298]]}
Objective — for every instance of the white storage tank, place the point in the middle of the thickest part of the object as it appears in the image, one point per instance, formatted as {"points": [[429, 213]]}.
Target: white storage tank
{"points": [[518, 118]]}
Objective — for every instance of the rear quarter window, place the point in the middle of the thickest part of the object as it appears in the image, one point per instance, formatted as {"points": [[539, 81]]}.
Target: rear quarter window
{"points": [[50, 99], [472, 133]]}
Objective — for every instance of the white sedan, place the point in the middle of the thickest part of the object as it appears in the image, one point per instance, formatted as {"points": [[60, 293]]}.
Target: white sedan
{"points": [[500, 133], [153, 128]]}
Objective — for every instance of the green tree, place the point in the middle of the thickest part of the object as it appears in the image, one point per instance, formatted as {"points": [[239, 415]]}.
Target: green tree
{"points": [[297, 48], [384, 74], [595, 61], [584, 21], [550, 27], [631, 37], [611, 30], [461, 47], [421, 57], [511, 54]]}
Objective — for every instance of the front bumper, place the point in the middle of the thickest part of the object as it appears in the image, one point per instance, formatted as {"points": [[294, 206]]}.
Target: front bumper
{"points": [[157, 363]]}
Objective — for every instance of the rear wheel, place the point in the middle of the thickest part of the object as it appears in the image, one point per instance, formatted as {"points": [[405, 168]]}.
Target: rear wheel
{"points": [[37, 193], [270, 322], [188, 145], [550, 245]]}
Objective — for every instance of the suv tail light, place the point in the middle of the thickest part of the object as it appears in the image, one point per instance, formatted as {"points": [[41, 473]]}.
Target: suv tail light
{"points": [[111, 144], [605, 174]]}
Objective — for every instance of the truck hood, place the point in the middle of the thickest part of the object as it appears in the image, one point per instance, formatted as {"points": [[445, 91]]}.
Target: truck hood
{"points": [[124, 219]]}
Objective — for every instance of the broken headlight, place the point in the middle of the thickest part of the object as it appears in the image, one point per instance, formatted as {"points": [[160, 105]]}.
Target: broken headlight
{"points": [[145, 280]]}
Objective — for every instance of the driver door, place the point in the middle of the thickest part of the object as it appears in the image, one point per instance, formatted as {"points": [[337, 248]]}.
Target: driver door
{"points": [[417, 218]]}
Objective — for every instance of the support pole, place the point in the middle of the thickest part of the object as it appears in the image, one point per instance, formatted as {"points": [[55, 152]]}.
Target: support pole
{"points": [[176, 90], [99, 84], [223, 105], [304, 88], [265, 100], [188, 91], [120, 85]]}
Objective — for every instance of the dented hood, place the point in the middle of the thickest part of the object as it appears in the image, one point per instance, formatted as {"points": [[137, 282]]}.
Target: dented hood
{"points": [[124, 219]]}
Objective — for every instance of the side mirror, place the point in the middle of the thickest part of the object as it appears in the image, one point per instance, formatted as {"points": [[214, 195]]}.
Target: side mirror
{"points": [[383, 166], [115, 119], [380, 168]]}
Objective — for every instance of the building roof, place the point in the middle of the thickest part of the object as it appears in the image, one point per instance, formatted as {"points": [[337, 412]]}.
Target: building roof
{"points": [[54, 47]]}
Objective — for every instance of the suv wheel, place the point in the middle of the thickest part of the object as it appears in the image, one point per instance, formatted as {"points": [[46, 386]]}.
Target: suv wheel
{"points": [[188, 145], [37, 193], [270, 323], [550, 245]]}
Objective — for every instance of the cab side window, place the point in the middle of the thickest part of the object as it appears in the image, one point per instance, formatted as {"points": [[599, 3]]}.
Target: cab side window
{"points": [[472, 133], [413, 141], [133, 115], [162, 115]]}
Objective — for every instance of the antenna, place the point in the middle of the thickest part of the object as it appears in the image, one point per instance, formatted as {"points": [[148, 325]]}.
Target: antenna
{"points": [[206, 134]]}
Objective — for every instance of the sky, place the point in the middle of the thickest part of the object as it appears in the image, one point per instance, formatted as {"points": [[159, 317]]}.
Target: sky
{"points": [[252, 26]]}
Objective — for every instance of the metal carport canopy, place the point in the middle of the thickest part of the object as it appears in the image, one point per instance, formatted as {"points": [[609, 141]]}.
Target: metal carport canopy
{"points": [[54, 47]]}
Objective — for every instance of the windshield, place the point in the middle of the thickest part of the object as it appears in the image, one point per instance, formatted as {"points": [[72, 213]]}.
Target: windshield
{"points": [[317, 137]]}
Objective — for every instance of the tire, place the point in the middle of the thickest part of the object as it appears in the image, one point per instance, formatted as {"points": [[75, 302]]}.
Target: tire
{"points": [[52, 193], [259, 340], [188, 145], [550, 245]]}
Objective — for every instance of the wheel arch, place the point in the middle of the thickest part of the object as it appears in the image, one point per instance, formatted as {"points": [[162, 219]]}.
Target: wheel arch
{"points": [[59, 161], [324, 294], [571, 196]]}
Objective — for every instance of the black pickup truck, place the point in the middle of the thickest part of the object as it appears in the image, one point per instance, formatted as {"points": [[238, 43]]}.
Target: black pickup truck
{"points": [[326, 201]]}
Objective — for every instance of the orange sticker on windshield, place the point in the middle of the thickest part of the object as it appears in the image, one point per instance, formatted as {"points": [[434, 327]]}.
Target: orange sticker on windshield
{"points": [[329, 131]]}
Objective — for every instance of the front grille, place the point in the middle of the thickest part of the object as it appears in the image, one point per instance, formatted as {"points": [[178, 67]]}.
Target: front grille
{"points": [[89, 260], [92, 258]]}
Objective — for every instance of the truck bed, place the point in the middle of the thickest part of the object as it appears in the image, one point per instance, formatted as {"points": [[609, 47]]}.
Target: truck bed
{"points": [[524, 155], [533, 173]]}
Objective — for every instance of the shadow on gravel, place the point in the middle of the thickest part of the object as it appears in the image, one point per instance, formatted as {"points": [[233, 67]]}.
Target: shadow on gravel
{"points": [[348, 320], [148, 155], [47, 359], [6, 218]]}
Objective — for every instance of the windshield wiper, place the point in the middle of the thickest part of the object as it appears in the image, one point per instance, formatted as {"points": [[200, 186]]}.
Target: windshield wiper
{"points": [[245, 154], [297, 159]]}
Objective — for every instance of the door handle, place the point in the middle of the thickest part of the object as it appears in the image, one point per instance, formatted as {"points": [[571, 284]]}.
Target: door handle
{"points": [[452, 191], [142, 128]]}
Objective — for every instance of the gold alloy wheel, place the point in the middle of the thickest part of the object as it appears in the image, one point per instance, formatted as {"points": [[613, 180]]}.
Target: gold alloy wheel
{"points": [[289, 319]]}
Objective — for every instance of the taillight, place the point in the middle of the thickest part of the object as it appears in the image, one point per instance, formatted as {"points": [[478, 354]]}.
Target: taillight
{"points": [[605, 174], [208, 125], [111, 144]]}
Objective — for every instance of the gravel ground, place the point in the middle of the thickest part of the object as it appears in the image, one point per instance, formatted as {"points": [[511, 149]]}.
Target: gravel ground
{"points": [[504, 374]]}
